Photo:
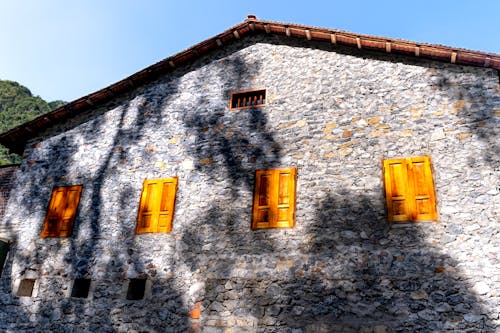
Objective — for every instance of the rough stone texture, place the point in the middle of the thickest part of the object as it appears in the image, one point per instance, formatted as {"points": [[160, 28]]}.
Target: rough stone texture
{"points": [[333, 113], [7, 178]]}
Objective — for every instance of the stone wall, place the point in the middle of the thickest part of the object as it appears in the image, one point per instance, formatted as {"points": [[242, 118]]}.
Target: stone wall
{"points": [[333, 113], [7, 179]]}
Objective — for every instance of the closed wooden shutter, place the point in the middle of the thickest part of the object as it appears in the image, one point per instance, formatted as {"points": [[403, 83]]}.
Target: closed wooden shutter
{"points": [[62, 211], [424, 202], [409, 189], [396, 187], [274, 199], [156, 208], [262, 208]]}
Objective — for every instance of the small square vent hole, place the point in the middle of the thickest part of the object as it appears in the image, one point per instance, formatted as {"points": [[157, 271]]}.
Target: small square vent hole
{"points": [[81, 288], [248, 99], [26, 287], [136, 288]]}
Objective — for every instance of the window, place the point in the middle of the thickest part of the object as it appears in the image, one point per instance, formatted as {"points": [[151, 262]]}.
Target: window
{"points": [[62, 211], [4, 250], [248, 99], [409, 189], [26, 287], [80, 288], [274, 199], [136, 289], [156, 208]]}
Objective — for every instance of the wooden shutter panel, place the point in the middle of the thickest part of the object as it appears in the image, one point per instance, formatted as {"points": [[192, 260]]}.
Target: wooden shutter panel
{"points": [[396, 189], [422, 188], [156, 208], [285, 180], [274, 199], [167, 203], [62, 211], [146, 207], [262, 208]]}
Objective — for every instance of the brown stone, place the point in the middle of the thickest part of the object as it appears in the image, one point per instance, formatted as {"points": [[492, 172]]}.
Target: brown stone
{"points": [[439, 269], [373, 120], [463, 136], [206, 161], [459, 104]]}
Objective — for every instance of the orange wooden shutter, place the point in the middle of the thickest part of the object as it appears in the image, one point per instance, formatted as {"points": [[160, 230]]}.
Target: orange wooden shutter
{"points": [[409, 189], [396, 187], [167, 202], [274, 198], [156, 208], [422, 188], [285, 180], [62, 211], [262, 208]]}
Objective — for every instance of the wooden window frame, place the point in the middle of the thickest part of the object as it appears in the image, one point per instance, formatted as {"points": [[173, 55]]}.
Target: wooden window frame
{"points": [[60, 213], [235, 94], [155, 211], [19, 287], [272, 195], [410, 190]]}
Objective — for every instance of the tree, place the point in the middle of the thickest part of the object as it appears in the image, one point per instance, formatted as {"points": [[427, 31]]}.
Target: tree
{"points": [[18, 105]]}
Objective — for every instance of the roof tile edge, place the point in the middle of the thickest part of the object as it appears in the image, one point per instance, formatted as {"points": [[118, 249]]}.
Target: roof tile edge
{"points": [[16, 138]]}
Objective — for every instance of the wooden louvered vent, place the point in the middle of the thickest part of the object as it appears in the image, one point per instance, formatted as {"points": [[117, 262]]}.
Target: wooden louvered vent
{"points": [[248, 99]]}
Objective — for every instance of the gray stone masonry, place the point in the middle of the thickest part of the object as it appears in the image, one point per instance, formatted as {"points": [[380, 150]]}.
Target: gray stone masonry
{"points": [[333, 113]]}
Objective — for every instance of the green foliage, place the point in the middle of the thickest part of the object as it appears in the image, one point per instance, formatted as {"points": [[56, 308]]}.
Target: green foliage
{"points": [[55, 104], [18, 105]]}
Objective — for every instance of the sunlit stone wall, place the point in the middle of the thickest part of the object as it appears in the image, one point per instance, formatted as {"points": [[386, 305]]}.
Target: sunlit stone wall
{"points": [[333, 113]]}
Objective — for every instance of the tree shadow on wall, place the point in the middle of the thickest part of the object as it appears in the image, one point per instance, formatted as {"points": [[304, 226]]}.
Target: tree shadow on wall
{"points": [[235, 140], [475, 103], [342, 268], [83, 254], [346, 270]]}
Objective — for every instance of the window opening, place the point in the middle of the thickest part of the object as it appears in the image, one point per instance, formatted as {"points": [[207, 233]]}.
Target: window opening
{"points": [[81, 288], [274, 199], [156, 207], [62, 211], [409, 189], [25, 288], [136, 288], [4, 250], [248, 99]]}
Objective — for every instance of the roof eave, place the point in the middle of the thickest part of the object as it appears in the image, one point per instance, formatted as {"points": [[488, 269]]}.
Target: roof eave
{"points": [[16, 138]]}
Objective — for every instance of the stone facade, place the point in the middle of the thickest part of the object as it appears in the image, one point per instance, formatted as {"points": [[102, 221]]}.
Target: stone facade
{"points": [[333, 113], [7, 179]]}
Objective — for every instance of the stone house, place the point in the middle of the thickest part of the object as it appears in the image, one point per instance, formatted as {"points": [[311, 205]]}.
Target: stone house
{"points": [[273, 178]]}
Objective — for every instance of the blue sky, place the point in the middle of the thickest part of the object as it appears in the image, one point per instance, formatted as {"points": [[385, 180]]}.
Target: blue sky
{"points": [[64, 49]]}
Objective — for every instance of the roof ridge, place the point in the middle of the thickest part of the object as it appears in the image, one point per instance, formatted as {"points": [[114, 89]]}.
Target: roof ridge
{"points": [[16, 138]]}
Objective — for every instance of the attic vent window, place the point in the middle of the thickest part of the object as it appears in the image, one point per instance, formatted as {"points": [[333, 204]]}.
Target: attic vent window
{"points": [[248, 99]]}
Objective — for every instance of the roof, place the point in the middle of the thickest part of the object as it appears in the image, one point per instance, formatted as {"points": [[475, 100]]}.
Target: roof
{"points": [[16, 138]]}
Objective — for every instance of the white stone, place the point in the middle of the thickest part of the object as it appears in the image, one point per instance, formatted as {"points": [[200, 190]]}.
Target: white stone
{"points": [[438, 134], [196, 287], [472, 318], [481, 288], [188, 164]]}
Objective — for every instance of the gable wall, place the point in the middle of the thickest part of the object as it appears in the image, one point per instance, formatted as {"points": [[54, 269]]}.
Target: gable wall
{"points": [[333, 114]]}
